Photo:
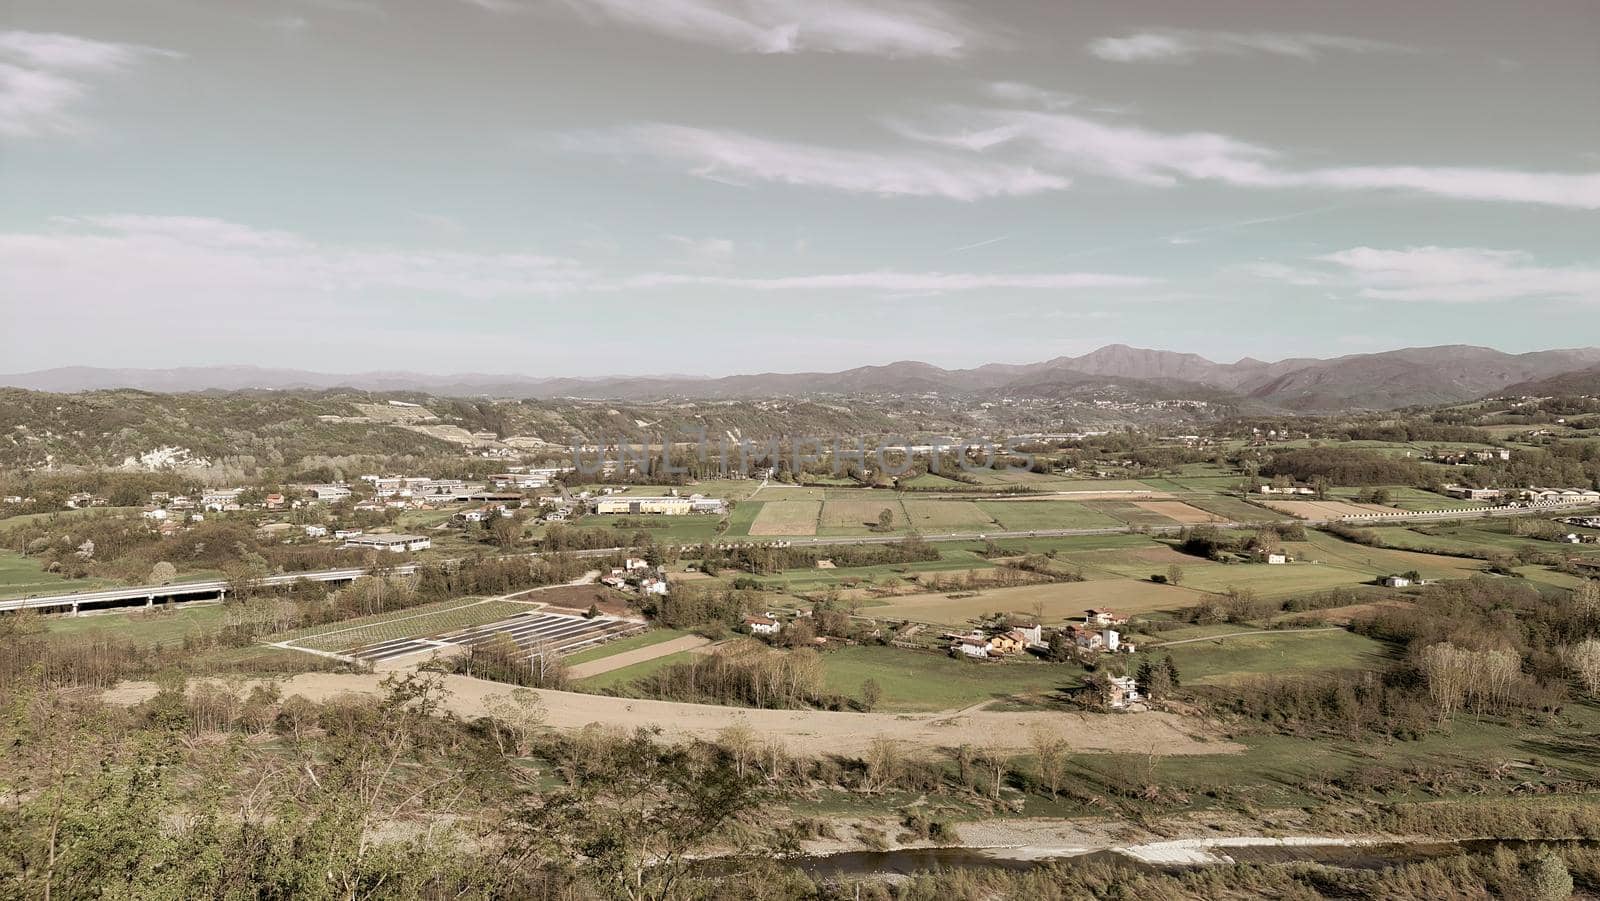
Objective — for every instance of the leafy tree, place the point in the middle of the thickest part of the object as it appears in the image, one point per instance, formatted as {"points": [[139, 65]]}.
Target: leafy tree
{"points": [[871, 694]]}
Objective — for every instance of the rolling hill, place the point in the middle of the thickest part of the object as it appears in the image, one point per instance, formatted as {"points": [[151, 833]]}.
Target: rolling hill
{"points": [[1378, 381]]}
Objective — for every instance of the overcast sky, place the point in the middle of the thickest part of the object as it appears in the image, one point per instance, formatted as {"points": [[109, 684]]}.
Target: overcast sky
{"points": [[586, 187]]}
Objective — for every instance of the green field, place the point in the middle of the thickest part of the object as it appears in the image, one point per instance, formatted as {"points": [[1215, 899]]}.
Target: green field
{"points": [[1220, 660], [858, 516], [159, 625], [23, 576], [1028, 516], [933, 517], [629, 643], [742, 516], [786, 518], [620, 677], [914, 681]]}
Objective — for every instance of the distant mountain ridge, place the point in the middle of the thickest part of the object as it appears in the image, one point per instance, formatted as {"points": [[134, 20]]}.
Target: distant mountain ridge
{"points": [[1387, 380]]}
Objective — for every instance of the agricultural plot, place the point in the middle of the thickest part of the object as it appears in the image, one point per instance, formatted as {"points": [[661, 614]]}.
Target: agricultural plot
{"points": [[856, 517], [1130, 512], [1061, 601], [1381, 561], [1177, 511], [913, 681], [946, 516], [1223, 660], [743, 515], [786, 518], [1325, 509], [1031, 515], [1233, 509], [1273, 581]]}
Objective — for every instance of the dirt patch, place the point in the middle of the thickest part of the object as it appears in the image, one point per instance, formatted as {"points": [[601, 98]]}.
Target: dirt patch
{"points": [[813, 732], [1178, 511], [1325, 509], [578, 598]]}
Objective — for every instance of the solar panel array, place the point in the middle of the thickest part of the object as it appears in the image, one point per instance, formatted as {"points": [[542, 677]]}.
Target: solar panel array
{"points": [[537, 630]]}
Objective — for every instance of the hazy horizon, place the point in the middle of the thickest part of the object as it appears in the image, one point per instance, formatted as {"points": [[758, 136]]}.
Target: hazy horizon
{"points": [[625, 187], [600, 375]]}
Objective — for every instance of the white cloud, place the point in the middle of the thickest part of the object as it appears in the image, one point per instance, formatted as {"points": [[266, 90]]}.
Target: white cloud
{"points": [[1058, 141], [179, 265], [1184, 46], [740, 158], [892, 28], [43, 76], [902, 282], [704, 250], [165, 260], [1440, 275]]}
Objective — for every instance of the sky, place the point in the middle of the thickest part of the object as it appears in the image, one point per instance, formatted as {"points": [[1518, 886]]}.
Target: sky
{"points": [[594, 187]]}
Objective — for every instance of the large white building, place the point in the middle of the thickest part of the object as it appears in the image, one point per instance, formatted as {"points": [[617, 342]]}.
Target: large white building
{"points": [[395, 543]]}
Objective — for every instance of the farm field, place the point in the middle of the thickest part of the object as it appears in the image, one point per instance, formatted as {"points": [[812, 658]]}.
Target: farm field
{"points": [[1222, 660], [1273, 581], [917, 681], [778, 518], [1233, 509], [930, 516], [743, 515], [1178, 511], [854, 517], [1325, 509], [1062, 601], [1130, 512], [630, 643], [778, 491], [1030, 515], [1381, 561], [619, 678]]}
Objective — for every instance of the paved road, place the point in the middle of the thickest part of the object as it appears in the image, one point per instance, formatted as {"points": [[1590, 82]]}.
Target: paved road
{"points": [[154, 593]]}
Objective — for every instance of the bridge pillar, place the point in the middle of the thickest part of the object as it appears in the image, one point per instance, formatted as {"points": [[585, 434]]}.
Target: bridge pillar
{"points": [[74, 608], [150, 601]]}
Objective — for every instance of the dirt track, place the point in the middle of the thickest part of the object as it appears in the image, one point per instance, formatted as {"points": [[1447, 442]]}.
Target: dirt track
{"points": [[802, 731]]}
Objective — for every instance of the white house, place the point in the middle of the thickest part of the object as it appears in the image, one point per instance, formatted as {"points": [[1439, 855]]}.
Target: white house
{"points": [[972, 646], [653, 586], [1121, 691], [315, 531], [393, 543], [327, 493], [1276, 559], [633, 563], [762, 625], [156, 514], [1396, 581]]}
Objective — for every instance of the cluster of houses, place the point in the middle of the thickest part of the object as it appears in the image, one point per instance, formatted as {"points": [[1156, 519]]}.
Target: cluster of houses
{"points": [[636, 574], [1468, 457], [1097, 634], [1284, 489]]}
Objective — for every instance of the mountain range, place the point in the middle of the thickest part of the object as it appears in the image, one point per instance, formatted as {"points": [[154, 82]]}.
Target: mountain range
{"points": [[1377, 381]]}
